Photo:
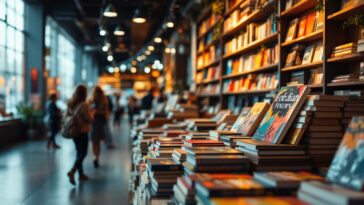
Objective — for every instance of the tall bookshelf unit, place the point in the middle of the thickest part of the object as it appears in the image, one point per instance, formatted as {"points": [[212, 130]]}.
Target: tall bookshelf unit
{"points": [[312, 48]]}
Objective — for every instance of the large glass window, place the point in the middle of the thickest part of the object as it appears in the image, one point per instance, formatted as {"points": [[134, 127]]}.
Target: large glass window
{"points": [[12, 52], [60, 60]]}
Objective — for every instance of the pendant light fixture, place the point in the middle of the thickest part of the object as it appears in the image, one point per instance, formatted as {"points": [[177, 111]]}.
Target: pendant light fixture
{"points": [[139, 17], [110, 11], [158, 40], [118, 31]]}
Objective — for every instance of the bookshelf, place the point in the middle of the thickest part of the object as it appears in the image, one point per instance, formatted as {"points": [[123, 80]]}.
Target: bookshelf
{"points": [[314, 63]]}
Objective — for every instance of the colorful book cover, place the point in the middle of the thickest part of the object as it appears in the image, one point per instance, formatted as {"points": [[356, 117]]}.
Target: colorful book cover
{"points": [[257, 201], [302, 26], [281, 114], [252, 120], [347, 167], [239, 121]]}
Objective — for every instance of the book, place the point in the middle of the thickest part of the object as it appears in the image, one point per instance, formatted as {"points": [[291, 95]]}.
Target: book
{"points": [[202, 143], [320, 17], [292, 30], [252, 120], [307, 57], [302, 26], [257, 200], [285, 179], [281, 114], [240, 119], [318, 54], [310, 25], [315, 192], [347, 167]]}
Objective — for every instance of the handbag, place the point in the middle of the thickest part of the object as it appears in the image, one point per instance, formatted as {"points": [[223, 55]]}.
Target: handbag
{"points": [[71, 124]]}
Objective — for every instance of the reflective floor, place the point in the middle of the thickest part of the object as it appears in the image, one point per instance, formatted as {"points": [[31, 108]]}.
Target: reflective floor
{"points": [[32, 175]]}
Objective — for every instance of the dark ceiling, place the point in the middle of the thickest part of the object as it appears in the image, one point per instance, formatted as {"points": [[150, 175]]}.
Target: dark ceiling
{"points": [[82, 19]]}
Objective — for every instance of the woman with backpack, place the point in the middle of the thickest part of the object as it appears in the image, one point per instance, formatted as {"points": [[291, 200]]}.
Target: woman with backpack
{"points": [[81, 117], [99, 106]]}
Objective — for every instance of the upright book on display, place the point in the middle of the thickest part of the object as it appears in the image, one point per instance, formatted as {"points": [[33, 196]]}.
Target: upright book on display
{"points": [[347, 167], [281, 114]]}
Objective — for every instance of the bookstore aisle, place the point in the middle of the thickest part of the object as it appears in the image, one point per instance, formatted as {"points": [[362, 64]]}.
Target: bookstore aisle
{"points": [[30, 174]]}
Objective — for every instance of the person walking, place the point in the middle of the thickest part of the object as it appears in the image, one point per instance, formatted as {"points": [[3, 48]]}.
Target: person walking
{"points": [[54, 117], [132, 108], [147, 101], [78, 108], [99, 106]]}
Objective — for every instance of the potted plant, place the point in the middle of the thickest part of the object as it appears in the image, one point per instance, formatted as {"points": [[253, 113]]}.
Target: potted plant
{"points": [[31, 118]]}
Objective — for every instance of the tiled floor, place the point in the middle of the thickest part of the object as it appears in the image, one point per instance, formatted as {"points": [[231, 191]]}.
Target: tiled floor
{"points": [[32, 175]]}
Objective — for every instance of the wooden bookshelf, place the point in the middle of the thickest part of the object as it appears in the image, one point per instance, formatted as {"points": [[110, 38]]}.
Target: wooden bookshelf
{"points": [[331, 35], [303, 66], [257, 15], [299, 8], [253, 46], [345, 13], [347, 84], [347, 58], [210, 81], [305, 39], [261, 69], [251, 92]]}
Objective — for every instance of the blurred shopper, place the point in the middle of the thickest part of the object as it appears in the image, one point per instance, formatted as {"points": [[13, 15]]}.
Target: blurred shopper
{"points": [[99, 106], [78, 109], [132, 108], [108, 134], [147, 101], [118, 111], [54, 117]]}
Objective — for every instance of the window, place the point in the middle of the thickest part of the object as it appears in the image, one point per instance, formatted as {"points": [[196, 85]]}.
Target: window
{"points": [[12, 52], [60, 60]]}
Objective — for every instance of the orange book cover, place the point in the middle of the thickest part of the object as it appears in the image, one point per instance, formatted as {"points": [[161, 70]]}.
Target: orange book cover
{"points": [[310, 27], [302, 26]]}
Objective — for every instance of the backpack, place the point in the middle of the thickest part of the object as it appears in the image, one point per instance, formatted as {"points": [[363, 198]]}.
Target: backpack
{"points": [[71, 124]]}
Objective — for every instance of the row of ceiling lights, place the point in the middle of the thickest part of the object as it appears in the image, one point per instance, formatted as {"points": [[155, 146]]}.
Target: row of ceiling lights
{"points": [[138, 17]]}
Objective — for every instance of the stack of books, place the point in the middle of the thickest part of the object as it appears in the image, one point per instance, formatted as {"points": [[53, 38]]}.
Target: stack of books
{"points": [[214, 160], [345, 49], [345, 173], [223, 187], [163, 175], [179, 155], [184, 190], [345, 78], [266, 156], [322, 114], [265, 149], [164, 147], [285, 183], [353, 107]]}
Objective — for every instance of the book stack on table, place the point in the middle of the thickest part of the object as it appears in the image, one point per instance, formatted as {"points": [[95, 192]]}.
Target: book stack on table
{"points": [[163, 173], [324, 130]]}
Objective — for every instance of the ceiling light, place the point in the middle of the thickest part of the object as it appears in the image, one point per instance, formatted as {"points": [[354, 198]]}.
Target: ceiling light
{"points": [[148, 53], [110, 11], [118, 31], [170, 24], [105, 48], [138, 17], [123, 67], [139, 58], [158, 40], [110, 58], [102, 32], [167, 50], [147, 69], [151, 48], [116, 69], [134, 62], [110, 69], [133, 70], [173, 50], [143, 57]]}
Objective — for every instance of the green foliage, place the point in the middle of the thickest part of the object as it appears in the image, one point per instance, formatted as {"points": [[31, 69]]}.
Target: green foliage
{"points": [[30, 115], [354, 20]]}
